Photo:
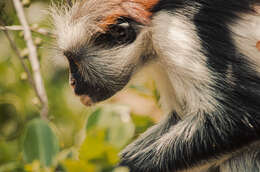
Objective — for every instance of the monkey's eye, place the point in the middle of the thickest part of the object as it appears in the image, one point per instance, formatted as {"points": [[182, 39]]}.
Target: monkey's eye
{"points": [[117, 34]]}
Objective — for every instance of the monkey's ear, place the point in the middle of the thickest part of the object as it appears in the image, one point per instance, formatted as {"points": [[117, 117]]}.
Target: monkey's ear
{"points": [[137, 10]]}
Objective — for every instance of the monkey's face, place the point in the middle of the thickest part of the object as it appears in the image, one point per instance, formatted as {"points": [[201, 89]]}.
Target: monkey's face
{"points": [[103, 66], [103, 53]]}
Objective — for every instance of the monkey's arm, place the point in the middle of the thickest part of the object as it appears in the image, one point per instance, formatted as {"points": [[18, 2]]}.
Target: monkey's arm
{"points": [[152, 134], [197, 138]]}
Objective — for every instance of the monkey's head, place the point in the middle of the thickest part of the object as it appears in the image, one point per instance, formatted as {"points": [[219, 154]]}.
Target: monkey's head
{"points": [[104, 42]]}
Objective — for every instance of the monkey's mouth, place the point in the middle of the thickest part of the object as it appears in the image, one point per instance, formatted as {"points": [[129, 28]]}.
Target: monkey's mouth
{"points": [[89, 93], [84, 98]]}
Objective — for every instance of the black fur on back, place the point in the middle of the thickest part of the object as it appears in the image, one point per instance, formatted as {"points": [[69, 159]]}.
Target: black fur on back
{"points": [[235, 125]]}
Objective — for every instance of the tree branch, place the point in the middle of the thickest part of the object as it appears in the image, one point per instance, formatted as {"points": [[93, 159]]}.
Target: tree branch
{"points": [[20, 28], [33, 58], [16, 51]]}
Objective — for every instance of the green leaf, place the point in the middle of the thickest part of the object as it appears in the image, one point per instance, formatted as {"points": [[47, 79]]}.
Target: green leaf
{"points": [[40, 143], [142, 123], [97, 150], [93, 146], [78, 166], [93, 119], [117, 122]]}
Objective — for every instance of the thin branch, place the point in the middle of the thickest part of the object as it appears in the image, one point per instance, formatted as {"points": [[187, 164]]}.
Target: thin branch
{"points": [[16, 51], [20, 28], [33, 57], [14, 28], [18, 54]]}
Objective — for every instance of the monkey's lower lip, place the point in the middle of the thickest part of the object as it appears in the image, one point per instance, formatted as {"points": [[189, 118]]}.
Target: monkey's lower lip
{"points": [[86, 100]]}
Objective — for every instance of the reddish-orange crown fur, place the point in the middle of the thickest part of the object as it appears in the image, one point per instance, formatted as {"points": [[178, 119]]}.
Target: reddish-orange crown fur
{"points": [[138, 10]]}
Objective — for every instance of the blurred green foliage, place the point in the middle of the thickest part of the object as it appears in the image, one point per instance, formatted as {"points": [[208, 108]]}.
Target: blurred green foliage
{"points": [[75, 138]]}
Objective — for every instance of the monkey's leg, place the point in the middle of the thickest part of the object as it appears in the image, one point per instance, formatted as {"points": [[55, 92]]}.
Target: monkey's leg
{"points": [[198, 141], [152, 134]]}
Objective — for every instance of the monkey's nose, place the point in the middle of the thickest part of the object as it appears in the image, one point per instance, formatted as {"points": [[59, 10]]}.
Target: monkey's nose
{"points": [[69, 55], [72, 57]]}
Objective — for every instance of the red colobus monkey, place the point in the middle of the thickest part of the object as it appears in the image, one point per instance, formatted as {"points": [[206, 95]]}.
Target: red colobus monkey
{"points": [[203, 56]]}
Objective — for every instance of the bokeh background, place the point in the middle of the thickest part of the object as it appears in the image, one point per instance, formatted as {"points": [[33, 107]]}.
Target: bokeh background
{"points": [[75, 138]]}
